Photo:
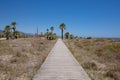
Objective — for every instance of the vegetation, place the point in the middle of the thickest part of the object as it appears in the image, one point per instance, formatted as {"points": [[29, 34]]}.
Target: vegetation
{"points": [[99, 57], [68, 36], [71, 36], [14, 29], [2, 35], [62, 27], [10, 32], [52, 29], [16, 34], [50, 35], [21, 58], [7, 31]]}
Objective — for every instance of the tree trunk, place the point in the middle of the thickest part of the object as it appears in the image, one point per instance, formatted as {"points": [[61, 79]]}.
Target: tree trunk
{"points": [[62, 34]]}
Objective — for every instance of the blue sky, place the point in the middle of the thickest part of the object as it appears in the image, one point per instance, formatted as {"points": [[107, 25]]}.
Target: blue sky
{"points": [[96, 18]]}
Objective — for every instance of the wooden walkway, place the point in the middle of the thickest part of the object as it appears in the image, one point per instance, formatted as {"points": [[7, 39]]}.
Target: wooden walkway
{"points": [[61, 65]]}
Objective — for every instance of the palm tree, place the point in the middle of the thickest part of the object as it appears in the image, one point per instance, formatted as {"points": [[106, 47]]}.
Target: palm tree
{"points": [[62, 27], [14, 27], [7, 31], [47, 32], [51, 28]]}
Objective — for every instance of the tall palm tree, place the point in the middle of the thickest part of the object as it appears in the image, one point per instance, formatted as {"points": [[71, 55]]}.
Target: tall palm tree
{"points": [[7, 31], [14, 27], [51, 28], [47, 32], [62, 27]]}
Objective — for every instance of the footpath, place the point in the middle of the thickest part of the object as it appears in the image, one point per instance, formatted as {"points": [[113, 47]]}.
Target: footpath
{"points": [[61, 65]]}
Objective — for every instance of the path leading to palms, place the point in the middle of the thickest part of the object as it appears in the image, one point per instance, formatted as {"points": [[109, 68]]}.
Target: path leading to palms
{"points": [[61, 65]]}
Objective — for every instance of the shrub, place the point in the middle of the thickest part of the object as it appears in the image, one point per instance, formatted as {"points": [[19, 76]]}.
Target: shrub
{"points": [[77, 39], [114, 47], [89, 38], [109, 74], [114, 72], [90, 65]]}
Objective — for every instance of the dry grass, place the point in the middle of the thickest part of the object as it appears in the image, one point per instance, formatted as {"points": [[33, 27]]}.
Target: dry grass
{"points": [[99, 57], [21, 58]]}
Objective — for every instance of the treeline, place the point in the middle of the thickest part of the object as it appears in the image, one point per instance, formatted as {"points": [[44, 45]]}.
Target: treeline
{"points": [[51, 36], [10, 32]]}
